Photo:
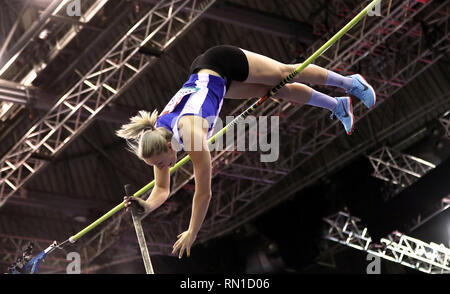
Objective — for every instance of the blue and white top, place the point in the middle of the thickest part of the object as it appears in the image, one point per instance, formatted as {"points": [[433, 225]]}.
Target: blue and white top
{"points": [[201, 95]]}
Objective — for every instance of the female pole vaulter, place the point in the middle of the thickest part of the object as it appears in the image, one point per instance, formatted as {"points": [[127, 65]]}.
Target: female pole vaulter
{"points": [[223, 72]]}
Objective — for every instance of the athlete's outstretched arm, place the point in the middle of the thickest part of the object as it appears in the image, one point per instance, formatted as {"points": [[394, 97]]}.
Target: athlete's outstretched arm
{"points": [[197, 148], [159, 194], [161, 190], [202, 195]]}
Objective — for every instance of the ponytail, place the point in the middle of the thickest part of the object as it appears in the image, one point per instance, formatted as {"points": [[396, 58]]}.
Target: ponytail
{"points": [[143, 138], [139, 124]]}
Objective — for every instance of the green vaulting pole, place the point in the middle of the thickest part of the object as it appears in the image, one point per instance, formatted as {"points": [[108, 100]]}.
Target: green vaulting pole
{"points": [[249, 110]]}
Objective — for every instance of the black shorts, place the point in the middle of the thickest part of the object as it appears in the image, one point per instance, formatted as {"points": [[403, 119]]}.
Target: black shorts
{"points": [[228, 61]]}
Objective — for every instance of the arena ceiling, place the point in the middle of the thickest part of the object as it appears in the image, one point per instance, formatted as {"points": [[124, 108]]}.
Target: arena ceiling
{"points": [[86, 179]]}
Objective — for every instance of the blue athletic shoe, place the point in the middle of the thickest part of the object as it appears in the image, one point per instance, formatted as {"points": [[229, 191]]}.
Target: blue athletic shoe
{"points": [[344, 112], [363, 90]]}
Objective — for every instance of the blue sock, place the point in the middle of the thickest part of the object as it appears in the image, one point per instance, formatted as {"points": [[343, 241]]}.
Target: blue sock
{"points": [[322, 100], [338, 80]]}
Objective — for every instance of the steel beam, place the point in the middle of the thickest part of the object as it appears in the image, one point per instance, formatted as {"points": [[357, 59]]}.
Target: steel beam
{"points": [[398, 168], [15, 50], [258, 21], [33, 98], [120, 12], [430, 258], [75, 110], [60, 43]]}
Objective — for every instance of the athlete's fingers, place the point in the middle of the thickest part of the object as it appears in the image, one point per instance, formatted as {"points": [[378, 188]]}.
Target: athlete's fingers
{"points": [[181, 252], [175, 249], [176, 244]]}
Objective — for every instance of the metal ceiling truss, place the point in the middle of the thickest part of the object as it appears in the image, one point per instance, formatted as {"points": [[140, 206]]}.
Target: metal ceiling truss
{"points": [[421, 219], [426, 257], [43, 28], [34, 98], [117, 70], [105, 81], [398, 168], [58, 44], [256, 21], [11, 55], [403, 170]]}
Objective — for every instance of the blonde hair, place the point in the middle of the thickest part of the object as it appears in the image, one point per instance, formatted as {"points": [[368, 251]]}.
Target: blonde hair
{"points": [[143, 138]]}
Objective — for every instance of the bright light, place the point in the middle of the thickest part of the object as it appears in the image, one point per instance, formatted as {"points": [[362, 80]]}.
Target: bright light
{"points": [[28, 80], [44, 34], [90, 84], [424, 162], [5, 106], [109, 88]]}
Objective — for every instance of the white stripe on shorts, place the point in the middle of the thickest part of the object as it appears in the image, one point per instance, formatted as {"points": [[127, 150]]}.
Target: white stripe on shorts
{"points": [[211, 132]]}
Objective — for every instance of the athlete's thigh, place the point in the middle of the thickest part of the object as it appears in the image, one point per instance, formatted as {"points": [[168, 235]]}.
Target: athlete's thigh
{"points": [[265, 70], [243, 90]]}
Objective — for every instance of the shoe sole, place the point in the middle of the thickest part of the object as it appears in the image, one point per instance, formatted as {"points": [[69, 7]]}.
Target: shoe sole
{"points": [[368, 85], [353, 117]]}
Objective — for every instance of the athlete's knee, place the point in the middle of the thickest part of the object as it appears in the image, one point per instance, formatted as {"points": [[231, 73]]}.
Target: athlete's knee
{"points": [[285, 91], [286, 70], [295, 92]]}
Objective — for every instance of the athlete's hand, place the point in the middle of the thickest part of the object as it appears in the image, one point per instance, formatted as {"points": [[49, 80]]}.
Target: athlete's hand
{"points": [[140, 205], [184, 242]]}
